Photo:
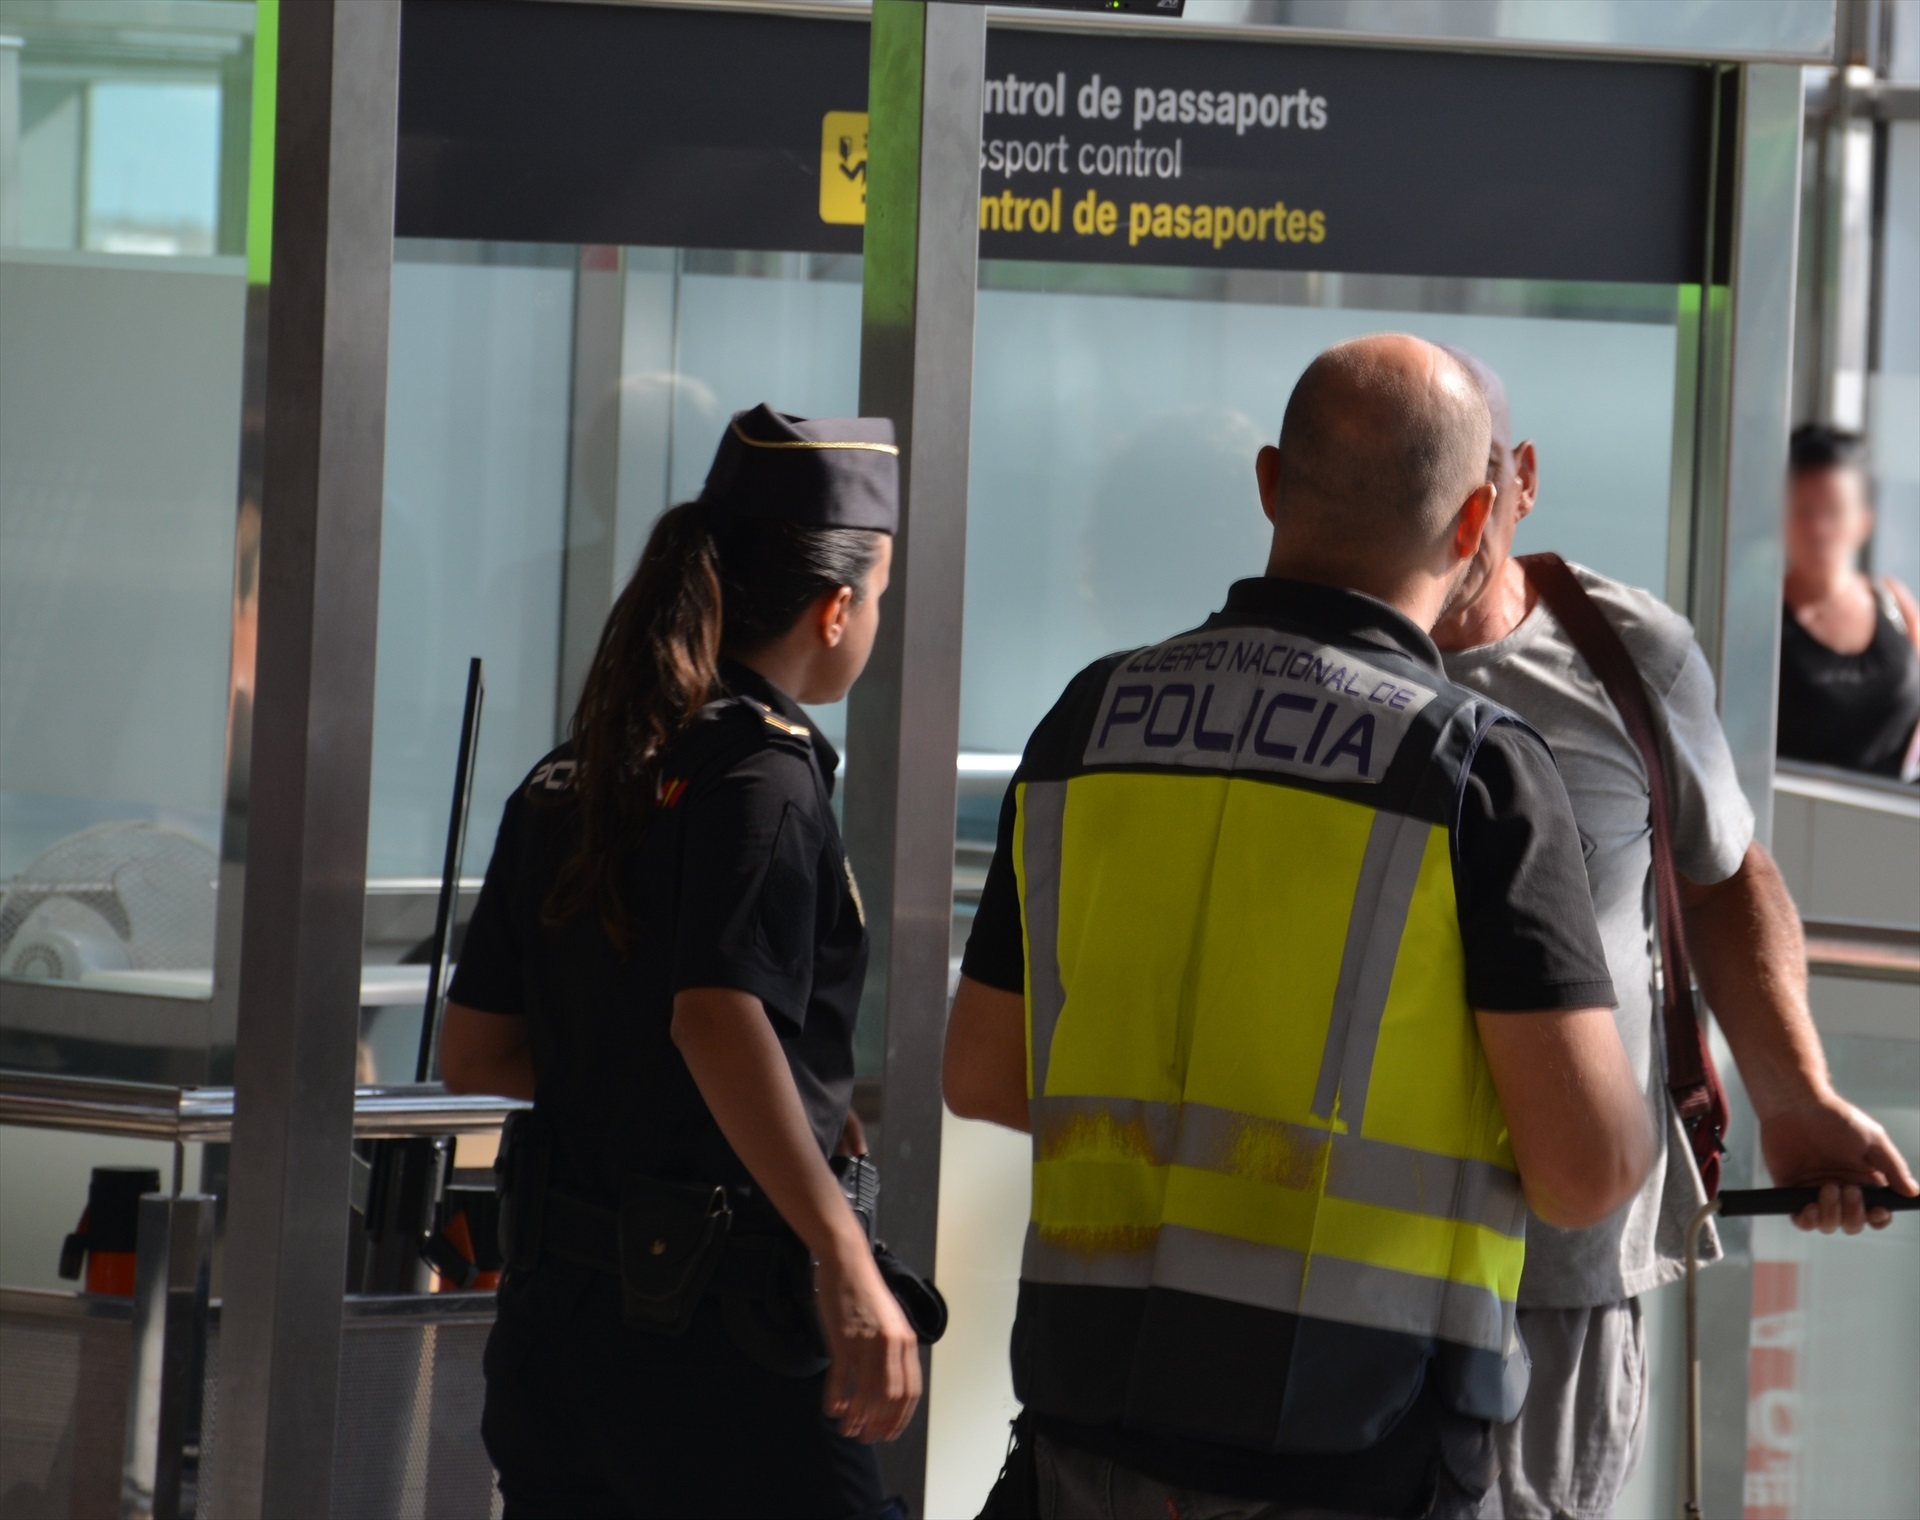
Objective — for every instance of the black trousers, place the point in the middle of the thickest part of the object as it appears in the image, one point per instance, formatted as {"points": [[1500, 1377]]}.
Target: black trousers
{"points": [[587, 1419]]}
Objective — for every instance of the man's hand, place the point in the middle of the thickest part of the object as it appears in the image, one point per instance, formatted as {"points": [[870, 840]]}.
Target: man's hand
{"points": [[1745, 938], [1826, 1140]]}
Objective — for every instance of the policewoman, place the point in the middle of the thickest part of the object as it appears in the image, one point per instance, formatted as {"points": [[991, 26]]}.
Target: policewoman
{"points": [[667, 958]]}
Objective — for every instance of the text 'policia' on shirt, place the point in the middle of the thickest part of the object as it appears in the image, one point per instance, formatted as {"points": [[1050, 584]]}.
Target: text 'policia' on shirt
{"points": [[1243, 699]]}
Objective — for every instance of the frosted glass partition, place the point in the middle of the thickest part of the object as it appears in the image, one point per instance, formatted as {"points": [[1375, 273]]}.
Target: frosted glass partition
{"points": [[1833, 1375], [124, 175], [120, 408], [1112, 497], [478, 390]]}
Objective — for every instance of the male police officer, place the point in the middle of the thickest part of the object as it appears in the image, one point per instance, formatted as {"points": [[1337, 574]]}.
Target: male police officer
{"points": [[1287, 960], [1576, 1443]]}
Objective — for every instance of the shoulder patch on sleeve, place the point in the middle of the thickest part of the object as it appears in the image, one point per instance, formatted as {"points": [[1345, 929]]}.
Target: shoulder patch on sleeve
{"points": [[773, 720], [725, 733]]}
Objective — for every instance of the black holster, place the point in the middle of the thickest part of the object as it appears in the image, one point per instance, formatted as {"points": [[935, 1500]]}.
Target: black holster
{"points": [[520, 1171]]}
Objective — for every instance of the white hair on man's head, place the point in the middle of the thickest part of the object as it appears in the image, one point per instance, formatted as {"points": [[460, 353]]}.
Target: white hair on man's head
{"points": [[1495, 389]]}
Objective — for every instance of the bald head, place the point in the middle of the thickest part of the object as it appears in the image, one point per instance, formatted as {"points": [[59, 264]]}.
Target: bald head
{"points": [[1384, 438]]}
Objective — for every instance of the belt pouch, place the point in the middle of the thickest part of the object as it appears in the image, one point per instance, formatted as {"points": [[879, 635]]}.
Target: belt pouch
{"points": [[672, 1237]]}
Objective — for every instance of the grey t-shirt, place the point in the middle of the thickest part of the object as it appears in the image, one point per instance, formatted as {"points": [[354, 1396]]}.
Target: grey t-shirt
{"points": [[1536, 671]]}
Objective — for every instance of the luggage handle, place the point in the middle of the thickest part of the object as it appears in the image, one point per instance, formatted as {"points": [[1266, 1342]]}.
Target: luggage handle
{"points": [[1753, 1202], [1738, 1203]]}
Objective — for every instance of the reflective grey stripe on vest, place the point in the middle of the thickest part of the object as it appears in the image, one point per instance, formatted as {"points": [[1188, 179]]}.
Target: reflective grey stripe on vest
{"points": [[1273, 1151], [1043, 811], [1382, 898], [1282, 1280]]}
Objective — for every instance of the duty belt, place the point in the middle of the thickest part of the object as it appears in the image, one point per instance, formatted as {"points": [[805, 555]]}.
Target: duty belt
{"points": [[588, 1235]]}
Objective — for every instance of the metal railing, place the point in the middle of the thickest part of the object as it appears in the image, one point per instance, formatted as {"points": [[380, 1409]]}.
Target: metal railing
{"points": [[171, 1314], [151, 1111]]}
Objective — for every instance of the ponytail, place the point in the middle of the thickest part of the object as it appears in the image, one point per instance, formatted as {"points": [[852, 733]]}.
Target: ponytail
{"points": [[703, 585]]}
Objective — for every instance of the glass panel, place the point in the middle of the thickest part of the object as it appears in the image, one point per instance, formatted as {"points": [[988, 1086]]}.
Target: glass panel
{"points": [[1117, 413], [482, 398], [477, 425], [153, 166], [479, 380], [1834, 1370], [122, 312]]}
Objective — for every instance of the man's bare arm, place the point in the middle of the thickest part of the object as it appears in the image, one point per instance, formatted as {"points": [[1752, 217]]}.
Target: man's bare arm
{"points": [[1749, 956], [984, 1074], [1575, 1114]]}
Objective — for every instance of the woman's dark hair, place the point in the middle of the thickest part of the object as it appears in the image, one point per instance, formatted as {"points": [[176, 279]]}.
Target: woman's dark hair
{"points": [[1815, 446], [705, 585]]}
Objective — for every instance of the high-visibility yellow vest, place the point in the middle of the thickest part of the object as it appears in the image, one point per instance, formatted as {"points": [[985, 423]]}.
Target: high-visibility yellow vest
{"points": [[1272, 1185]]}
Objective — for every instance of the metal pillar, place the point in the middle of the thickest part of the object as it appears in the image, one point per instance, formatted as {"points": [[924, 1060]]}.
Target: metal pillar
{"points": [[313, 738], [1836, 317], [1750, 564], [903, 729], [159, 1476]]}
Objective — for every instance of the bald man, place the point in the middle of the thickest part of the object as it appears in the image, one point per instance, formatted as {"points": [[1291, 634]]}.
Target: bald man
{"points": [[1576, 1443], [1286, 960]]}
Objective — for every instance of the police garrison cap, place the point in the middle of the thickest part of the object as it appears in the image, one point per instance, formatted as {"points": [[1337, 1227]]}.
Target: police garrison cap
{"points": [[820, 472]]}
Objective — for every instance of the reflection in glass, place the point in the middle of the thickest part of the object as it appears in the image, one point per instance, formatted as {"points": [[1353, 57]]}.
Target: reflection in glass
{"points": [[1111, 499], [121, 346], [1117, 412], [1834, 1370]]}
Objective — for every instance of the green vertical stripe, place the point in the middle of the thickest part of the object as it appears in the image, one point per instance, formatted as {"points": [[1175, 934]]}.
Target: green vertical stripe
{"points": [[897, 54], [266, 73]]}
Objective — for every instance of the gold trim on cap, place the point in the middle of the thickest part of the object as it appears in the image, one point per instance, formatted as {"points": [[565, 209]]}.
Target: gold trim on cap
{"points": [[807, 443]]}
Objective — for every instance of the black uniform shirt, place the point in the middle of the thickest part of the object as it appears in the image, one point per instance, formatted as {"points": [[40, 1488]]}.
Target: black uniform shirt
{"points": [[739, 881], [1520, 878], [1526, 919]]}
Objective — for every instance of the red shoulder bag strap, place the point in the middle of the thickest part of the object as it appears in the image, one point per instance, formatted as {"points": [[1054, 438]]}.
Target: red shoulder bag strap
{"points": [[1695, 1087]]}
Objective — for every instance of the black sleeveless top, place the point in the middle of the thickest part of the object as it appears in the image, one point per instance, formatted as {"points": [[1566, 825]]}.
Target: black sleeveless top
{"points": [[1856, 711]]}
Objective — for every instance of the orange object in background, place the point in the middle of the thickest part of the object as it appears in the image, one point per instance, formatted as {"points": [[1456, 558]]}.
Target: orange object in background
{"points": [[107, 1235], [464, 1250], [461, 1239]]}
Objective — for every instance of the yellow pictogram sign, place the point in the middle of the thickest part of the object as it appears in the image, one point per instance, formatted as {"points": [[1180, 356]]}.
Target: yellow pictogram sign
{"points": [[843, 168]]}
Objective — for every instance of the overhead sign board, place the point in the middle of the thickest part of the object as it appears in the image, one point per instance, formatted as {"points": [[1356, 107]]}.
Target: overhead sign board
{"points": [[677, 128]]}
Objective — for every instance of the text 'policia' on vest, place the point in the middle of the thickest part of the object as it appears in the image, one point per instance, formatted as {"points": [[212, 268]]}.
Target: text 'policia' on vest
{"points": [[1272, 1186]]}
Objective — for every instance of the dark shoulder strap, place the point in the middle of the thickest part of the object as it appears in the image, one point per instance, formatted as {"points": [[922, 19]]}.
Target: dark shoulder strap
{"points": [[1691, 1078]]}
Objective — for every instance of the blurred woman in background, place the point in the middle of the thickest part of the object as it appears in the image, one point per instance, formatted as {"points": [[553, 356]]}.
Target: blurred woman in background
{"points": [[1849, 644]]}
